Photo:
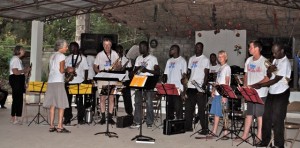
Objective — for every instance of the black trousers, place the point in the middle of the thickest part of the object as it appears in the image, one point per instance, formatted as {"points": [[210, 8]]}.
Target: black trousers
{"points": [[5, 93], [174, 104], [194, 97], [127, 98], [275, 113], [17, 83]]}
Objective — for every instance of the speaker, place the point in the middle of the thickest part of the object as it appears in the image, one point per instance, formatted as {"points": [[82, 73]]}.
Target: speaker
{"points": [[172, 127], [124, 121], [91, 44]]}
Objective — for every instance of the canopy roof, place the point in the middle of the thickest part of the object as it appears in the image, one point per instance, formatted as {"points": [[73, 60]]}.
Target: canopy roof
{"points": [[171, 17]]}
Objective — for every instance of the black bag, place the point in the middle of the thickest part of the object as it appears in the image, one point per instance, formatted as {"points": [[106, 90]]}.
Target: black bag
{"points": [[172, 127], [124, 121]]}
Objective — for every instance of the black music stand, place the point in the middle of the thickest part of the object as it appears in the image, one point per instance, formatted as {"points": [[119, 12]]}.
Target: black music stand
{"points": [[108, 77], [148, 85], [166, 90], [250, 95], [227, 92], [38, 115]]}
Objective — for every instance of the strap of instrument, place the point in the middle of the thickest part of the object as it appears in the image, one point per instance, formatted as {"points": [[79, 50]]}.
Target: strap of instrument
{"points": [[109, 59], [74, 63]]}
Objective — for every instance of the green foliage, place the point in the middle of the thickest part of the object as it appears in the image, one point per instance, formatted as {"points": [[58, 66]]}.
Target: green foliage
{"points": [[6, 54]]}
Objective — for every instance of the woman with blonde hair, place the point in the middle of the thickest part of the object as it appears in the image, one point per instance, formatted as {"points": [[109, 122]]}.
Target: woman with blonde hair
{"points": [[223, 77], [56, 96]]}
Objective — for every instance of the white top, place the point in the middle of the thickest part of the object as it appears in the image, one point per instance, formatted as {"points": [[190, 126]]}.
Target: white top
{"points": [[256, 71], [174, 70], [197, 66], [214, 69], [105, 62], [83, 65], [90, 61], [149, 62], [123, 62], [55, 75], [15, 62], [283, 69], [223, 72]]}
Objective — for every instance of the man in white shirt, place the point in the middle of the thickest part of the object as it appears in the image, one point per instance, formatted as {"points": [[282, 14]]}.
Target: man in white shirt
{"points": [[79, 62], [126, 92], [198, 70], [278, 97], [176, 68], [255, 72], [103, 62], [145, 64]]}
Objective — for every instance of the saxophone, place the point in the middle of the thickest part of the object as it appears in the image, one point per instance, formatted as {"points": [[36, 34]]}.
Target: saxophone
{"points": [[116, 65], [268, 64], [69, 76], [225, 115]]}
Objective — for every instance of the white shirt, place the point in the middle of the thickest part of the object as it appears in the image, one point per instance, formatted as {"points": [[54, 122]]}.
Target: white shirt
{"points": [[55, 75], [148, 62], [256, 71], [197, 66], [223, 72], [105, 62], [283, 69], [214, 69], [90, 61], [80, 70], [15, 62], [174, 70], [123, 62]]}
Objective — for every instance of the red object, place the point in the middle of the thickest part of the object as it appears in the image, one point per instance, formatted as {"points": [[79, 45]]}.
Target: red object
{"points": [[167, 89], [250, 95], [226, 91]]}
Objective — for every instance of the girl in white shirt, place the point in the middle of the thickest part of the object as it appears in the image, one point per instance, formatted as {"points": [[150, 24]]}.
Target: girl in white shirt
{"points": [[223, 77]]}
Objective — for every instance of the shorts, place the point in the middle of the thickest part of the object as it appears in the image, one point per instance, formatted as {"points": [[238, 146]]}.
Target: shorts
{"points": [[255, 109]]}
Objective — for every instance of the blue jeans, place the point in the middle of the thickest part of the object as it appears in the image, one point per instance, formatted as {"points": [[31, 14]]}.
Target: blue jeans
{"points": [[140, 96]]}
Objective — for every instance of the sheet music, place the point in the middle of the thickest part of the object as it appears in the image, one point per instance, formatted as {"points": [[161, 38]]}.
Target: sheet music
{"points": [[118, 76], [250, 94]]}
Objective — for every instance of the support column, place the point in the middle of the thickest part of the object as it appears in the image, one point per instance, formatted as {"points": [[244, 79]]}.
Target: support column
{"points": [[82, 26], [37, 29]]}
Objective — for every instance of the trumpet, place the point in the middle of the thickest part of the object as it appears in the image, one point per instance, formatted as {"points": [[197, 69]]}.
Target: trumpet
{"points": [[116, 65], [198, 86], [268, 64]]}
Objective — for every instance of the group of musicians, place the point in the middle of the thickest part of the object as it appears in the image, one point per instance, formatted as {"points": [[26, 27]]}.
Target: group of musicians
{"points": [[191, 78]]}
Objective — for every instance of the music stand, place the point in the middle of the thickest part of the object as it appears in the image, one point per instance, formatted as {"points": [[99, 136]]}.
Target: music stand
{"points": [[250, 95], [227, 92], [143, 83], [166, 90], [105, 76], [39, 88]]}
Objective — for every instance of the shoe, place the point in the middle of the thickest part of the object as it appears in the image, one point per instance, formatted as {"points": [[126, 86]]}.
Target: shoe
{"points": [[52, 129], [134, 125], [262, 144], [3, 107], [81, 122], [149, 126], [203, 132], [62, 130], [17, 122], [196, 119], [225, 138], [102, 121], [111, 121], [67, 122]]}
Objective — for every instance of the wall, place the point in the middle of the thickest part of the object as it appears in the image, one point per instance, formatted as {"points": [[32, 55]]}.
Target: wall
{"points": [[225, 40]]}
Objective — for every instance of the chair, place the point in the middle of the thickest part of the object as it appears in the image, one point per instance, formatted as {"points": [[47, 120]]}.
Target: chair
{"points": [[293, 107]]}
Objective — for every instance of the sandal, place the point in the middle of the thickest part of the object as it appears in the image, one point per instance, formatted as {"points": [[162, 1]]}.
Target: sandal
{"points": [[52, 129], [225, 138], [62, 130]]}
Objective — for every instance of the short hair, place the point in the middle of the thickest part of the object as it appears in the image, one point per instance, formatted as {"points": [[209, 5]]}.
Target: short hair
{"points": [[74, 44], [212, 54], [59, 44], [222, 52], [201, 44], [256, 43], [176, 47], [144, 43], [17, 49], [105, 39], [119, 47]]}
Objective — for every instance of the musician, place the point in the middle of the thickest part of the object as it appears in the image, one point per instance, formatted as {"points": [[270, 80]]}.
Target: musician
{"points": [[145, 64], [79, 62], [255, 72], [278, 97], [17, 82], [213, 65], [176, 68], [198, 70], [219, 102], [127, 66], [103, 62], [56, 96]]}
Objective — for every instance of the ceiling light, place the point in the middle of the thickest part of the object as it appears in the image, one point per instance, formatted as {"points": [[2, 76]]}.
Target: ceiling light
{"points": [[194, 1]]}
